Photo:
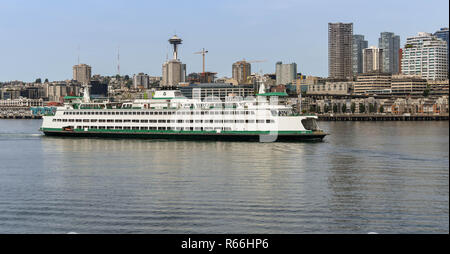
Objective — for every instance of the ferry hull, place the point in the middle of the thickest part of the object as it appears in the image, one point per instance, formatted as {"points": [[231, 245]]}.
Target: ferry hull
{"points": [[280, 137]]}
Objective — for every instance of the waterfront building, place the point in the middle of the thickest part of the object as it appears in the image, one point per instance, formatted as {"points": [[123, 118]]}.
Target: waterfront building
{"points": [[216, 90], [82, 73], [425, 55], [141, 80], [438, 86], [340, 40], [372, 59], [357, 56], [331, 88], [285, 73], [408, 84], [241, 72], [390, 44], [373, 83]]}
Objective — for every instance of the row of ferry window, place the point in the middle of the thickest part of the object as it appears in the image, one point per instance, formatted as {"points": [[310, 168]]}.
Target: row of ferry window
{"points": [[213, 112], [154, 128], [162, 121]]}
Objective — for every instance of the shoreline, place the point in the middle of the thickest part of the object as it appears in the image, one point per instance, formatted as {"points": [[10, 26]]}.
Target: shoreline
{"points": [[380, 117]]}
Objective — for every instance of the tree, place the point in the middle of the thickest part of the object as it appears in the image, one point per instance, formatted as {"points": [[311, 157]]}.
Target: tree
{"points": [[38, 80], [362, 108], [326, 109], [312, 108], [335, 108], [344, 108], [353, 107], [381, 109], [46, 80], [371, 108], [127, 77], [426, 92]]}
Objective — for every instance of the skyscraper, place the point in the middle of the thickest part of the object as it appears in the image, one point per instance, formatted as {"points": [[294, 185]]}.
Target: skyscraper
{"points": [[443, 34], [241, 71], [357, 58], [372, 59], [340, 40], [390, 44], [425, 55], [285, 73], [82, 73]]}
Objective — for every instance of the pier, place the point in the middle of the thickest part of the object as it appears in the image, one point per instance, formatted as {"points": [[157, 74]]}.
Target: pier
{"points": [[381, 117]]}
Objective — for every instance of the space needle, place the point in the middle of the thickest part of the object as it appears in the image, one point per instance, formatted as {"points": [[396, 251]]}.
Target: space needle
{"points": [[175, 40]]}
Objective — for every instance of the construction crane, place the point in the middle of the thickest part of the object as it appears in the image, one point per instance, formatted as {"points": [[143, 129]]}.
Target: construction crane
{"points": [[203, 53]]}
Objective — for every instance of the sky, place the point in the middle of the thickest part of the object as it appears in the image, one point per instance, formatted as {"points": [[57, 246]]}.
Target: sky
{"points": [[45, 38]]}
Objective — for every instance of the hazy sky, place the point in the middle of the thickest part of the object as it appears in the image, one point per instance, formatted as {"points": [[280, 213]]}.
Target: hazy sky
{"points": [[41, 38]]}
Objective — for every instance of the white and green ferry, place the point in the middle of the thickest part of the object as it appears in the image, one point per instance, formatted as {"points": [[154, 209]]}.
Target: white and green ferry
{"points": [[169, 115]]}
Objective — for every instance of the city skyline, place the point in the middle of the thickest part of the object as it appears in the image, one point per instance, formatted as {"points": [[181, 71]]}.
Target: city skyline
{"points": [[41, 40]]}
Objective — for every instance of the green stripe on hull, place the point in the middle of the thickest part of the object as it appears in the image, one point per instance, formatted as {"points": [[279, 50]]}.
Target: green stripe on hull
{"points": [[293, 136]]}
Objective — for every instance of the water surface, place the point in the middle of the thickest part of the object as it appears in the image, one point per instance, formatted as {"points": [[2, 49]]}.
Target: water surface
{"points": [[385, 177]]}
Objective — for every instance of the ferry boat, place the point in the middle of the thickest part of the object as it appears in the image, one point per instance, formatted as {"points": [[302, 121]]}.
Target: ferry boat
{"points": [[169, 115]]}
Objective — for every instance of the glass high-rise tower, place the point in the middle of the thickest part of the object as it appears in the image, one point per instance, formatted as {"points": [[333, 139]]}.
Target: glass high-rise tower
{"points": [[357, 58], [390, 44]]}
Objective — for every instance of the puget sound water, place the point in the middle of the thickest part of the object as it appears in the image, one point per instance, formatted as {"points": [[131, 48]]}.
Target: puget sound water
{"points": [[384, 177]]}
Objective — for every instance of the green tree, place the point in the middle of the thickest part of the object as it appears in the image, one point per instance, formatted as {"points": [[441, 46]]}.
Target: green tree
{"points": [[362, 108], [38, 80], [344, 107], [127, 77], [326, 109], [353, 107], [381, 109], [371, 108], [426, 92], [46, 80], [335, 108], [312, 108]]}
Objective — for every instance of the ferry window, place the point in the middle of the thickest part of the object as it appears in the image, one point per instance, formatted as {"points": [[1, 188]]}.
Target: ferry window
{"points": [[110, 127], [251, 121], [135, 128], [93, 127], [161, 121], [102, 120], [135, 121], [165, 112], [118, 127], [198, 121], [134, 113], [126, 121], [118, 120], [144, 121], [86, 120], [180, 121], [267, 121], [146, 113], [144, 128], [93, 120]]}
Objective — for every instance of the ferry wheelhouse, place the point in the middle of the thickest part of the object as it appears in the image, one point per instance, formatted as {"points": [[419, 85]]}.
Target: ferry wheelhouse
{"points": [[169, 115]]}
